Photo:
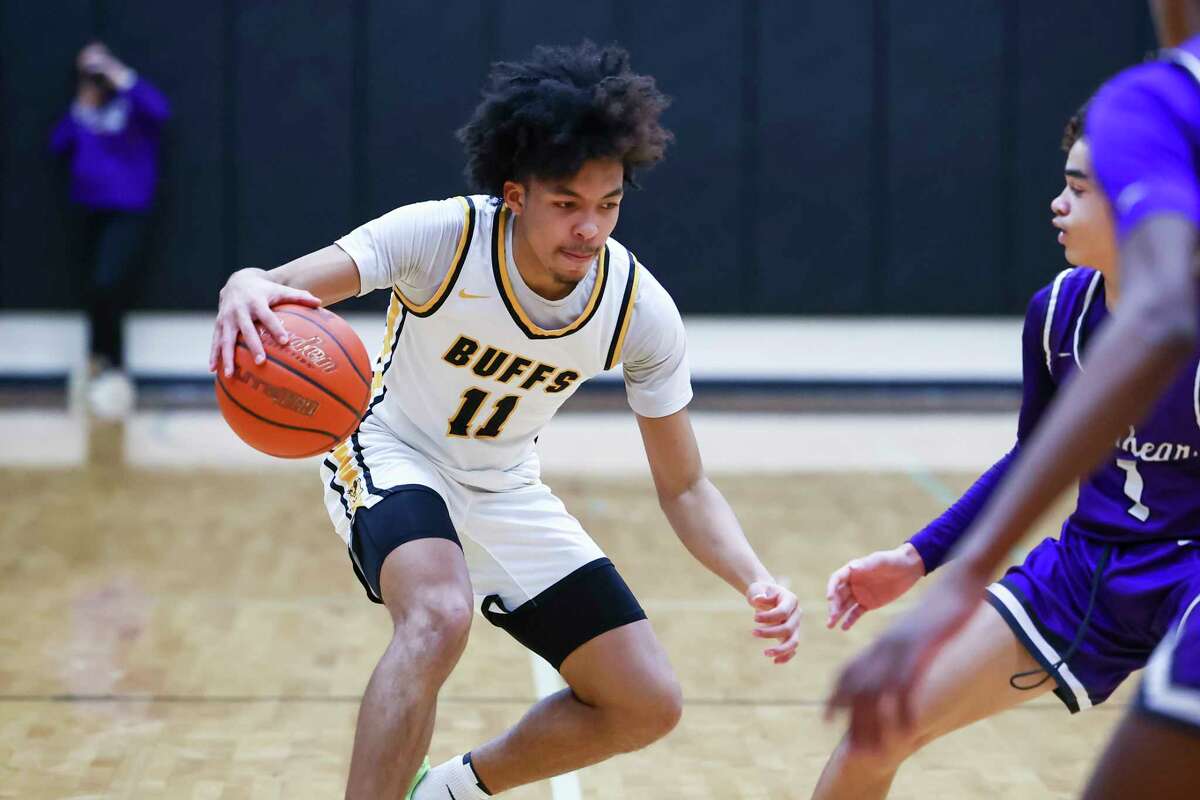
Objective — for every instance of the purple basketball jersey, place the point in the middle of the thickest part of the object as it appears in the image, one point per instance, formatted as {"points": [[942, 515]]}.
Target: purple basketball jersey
{"points": [[1143, 128], [1149, 488], [1092, 605]]}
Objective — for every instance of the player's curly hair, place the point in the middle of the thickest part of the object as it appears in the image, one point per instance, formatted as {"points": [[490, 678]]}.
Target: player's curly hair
{"points": [[544, 117], [1073, 131]]}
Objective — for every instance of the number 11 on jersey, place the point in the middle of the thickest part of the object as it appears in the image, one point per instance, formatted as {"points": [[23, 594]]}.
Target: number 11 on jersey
{"points": [[472, 400]]}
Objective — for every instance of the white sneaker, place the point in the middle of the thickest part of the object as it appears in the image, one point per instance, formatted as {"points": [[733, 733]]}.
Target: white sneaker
{"points": [[111, 395]]}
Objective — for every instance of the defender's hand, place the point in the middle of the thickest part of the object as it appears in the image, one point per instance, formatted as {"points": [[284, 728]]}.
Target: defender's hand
{"points": [[247, 297], [777, 612], [871, 582], [876, 686]]}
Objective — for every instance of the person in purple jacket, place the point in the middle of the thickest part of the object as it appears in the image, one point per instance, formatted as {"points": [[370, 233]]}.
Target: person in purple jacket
{"points": [[110, 137], [1120, 588]]}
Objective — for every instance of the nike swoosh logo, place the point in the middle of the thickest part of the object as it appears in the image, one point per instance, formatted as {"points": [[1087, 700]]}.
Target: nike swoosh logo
{"points": [[451, 791], [465, 295]]}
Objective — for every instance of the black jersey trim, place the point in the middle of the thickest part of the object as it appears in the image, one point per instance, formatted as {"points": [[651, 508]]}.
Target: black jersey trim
{"points": [[625, 314], [460, 258], [527, 326]]}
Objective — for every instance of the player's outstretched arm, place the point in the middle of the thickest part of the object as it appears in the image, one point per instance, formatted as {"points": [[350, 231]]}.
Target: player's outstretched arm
{"points": [[320, 278], [864, 584], [704, 522]]}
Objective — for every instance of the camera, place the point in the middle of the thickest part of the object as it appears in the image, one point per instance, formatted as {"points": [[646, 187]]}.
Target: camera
{"points": [[97, 79]]}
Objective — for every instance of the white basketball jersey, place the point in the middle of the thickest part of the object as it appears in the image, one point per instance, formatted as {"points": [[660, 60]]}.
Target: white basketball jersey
{"points": [[469, 380]]}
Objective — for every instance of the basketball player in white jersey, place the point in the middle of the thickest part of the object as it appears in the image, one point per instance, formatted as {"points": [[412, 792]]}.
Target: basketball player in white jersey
{"points": [[502, 304]]}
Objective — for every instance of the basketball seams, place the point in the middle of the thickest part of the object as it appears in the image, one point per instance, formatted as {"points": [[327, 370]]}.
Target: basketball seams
{"points": [[261, 418], [333, 337], [284, 365], [266, 427]]}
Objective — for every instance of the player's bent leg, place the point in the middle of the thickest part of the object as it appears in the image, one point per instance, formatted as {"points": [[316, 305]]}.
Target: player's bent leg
{"points": [[426, 588], [968, 682], [622, 696], [427, 591], [626, 680]]}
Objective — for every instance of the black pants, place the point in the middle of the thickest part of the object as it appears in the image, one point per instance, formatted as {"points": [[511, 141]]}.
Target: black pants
{"points": [[114, 245]]}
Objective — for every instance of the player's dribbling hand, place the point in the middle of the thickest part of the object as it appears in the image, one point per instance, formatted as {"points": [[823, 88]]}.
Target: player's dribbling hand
{"points": [[777, 613], [871, 582], [876, 686], [248, 297]]}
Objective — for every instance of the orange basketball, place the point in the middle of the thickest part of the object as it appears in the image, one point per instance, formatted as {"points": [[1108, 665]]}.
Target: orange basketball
{"points": [[308, 395]]}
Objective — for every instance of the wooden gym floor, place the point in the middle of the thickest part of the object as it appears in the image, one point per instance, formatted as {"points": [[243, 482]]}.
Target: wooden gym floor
{"points": [[197, 633]]}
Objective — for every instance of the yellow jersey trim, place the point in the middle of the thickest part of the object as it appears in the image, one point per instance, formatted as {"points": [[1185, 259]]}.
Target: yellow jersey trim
{"points": [[500, 269], [460, 257], [626, 313]]}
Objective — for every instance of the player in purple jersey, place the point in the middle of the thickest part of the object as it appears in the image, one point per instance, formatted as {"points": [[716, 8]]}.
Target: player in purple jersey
{"points": [[1143, 132], [1083, 610]]}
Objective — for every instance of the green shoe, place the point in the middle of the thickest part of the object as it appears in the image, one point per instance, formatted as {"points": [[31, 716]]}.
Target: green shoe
{"points": [[420, 776]]}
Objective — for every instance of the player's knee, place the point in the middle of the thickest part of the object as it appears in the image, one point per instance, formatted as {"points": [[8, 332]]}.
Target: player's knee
{"points": [[650, 713], [664, 710], [449, 617], [439, 623]]}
